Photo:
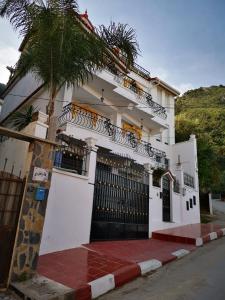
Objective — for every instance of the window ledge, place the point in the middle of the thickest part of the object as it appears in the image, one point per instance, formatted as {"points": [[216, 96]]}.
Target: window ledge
{"points": [[68, 173]]}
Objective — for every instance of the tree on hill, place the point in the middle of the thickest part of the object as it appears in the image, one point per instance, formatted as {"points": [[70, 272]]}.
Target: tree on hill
{"points": [[202, 112]]}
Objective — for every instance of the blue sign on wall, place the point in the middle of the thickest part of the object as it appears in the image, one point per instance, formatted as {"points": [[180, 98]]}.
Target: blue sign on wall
{"points": [[40, 194]]}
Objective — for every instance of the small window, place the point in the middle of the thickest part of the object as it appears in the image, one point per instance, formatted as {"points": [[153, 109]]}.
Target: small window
{"points": [[187, 205], [191, 203], [167, 163], [194, 200], [158, 159]]}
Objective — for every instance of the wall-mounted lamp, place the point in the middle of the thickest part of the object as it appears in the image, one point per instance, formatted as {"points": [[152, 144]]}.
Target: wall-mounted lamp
{"points": [[141, 124], [102, 97]]}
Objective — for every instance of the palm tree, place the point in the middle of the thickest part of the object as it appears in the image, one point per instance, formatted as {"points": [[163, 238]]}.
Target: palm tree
{"points": [[58, 50], [122, 37]]}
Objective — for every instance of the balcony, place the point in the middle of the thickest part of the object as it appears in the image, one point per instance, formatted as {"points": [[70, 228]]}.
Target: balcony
{"points": [[84, 118], [142, 97]]}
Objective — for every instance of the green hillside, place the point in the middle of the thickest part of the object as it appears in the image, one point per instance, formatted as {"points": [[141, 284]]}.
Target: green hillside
{"points": [[202, 112]]}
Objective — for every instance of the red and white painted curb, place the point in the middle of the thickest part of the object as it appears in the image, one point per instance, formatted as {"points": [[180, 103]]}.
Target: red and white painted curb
{"points": [[102, 285], [107, 283], [210, 237]]}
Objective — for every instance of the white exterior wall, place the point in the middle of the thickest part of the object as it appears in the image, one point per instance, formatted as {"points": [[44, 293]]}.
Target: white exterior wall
{"points": [[68, 215], [15, 151], [69, 210], [18, 93]]}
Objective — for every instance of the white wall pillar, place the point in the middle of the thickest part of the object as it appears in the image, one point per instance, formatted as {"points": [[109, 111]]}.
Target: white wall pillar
{"points": [[91, 167], [91, 163], [210, 204], [149, 169], [116, 119]]}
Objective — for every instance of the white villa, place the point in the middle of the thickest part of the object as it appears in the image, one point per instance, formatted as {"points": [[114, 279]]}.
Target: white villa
{"points": [[118, 173]]}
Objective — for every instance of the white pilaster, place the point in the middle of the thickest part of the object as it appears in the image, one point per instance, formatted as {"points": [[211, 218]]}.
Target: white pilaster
{"points": [[91, 163], [149, 169]]}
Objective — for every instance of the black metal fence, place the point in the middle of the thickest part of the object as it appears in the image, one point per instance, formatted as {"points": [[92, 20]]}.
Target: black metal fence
{"points": [[93, 121]]}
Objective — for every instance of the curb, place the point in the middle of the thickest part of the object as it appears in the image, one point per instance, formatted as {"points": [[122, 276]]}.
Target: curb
{"points": [[109, 282], [210, 237], [199, 241]]}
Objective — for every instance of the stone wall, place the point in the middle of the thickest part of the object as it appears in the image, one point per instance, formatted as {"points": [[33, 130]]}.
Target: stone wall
{"points": [[32, 214]]}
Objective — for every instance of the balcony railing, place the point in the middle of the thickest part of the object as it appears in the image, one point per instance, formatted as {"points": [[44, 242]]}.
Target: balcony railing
{"points": [[93, 121], [137, 68], [142, 96]]}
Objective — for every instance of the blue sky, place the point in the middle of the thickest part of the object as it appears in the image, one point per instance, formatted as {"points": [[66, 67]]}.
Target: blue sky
{"points": [[181, 41]]}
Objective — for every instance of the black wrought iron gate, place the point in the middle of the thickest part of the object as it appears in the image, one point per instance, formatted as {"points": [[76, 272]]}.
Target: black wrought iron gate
{"points": [[11, 191], [121, 199], [166, 199]]}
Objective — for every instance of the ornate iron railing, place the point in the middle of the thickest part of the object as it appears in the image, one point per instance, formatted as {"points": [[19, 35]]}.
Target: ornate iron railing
{"points": [[93, 121], [137, 68], [141, 96]]}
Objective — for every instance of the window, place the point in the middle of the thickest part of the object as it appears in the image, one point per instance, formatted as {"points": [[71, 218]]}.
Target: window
{"points": [[187, 205], [191, 203], [194, 200], [156, 177], [176, 186], [167, 163], [189, 180], [71, 156]]}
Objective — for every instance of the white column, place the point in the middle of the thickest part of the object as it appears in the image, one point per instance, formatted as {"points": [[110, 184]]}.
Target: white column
{"points": [[91, 163], [116, 119], [210, 204], [194, 141], [148, 168], [91, 167]]}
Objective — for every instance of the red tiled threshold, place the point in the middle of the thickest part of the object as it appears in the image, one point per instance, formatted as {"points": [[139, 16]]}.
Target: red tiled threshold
{"points": [[194, 234]]}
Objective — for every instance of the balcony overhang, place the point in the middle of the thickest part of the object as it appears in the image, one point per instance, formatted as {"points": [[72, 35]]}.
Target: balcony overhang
{"points": [[115, 103]]}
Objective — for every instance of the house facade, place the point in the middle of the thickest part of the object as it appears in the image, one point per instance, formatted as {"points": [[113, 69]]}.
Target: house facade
{"points": [[118, 173]]}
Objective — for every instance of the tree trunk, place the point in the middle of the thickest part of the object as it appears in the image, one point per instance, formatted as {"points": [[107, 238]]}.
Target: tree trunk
{"points": [[52, 119]]}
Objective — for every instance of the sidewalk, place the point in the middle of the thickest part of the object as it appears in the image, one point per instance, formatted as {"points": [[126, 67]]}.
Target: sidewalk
{"points": [[96, 268]]}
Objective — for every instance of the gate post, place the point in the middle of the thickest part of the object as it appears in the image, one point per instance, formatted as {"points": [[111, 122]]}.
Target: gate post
{"points": [[31, 220], [91, 143], [91, 167], [149, 169]]}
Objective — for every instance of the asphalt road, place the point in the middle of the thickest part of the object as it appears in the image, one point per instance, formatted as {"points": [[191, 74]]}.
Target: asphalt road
{"points": [[198, 276]]}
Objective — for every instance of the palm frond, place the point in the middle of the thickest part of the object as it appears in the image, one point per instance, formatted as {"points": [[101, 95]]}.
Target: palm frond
{"points": [[121, 36], [20, 119]]}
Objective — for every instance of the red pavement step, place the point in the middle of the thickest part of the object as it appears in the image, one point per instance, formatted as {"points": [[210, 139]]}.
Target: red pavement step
{"points": [[195, 234], [103, 266]]}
